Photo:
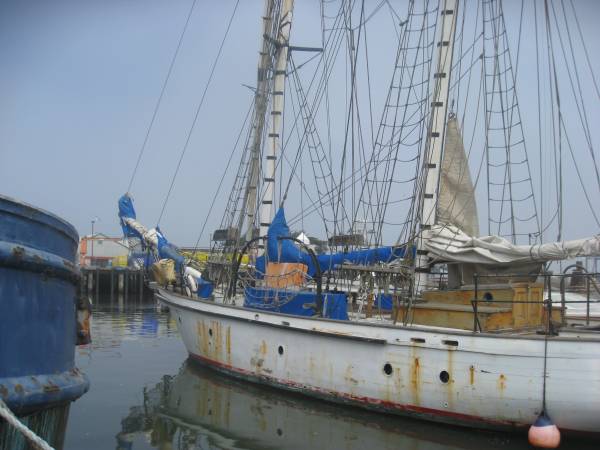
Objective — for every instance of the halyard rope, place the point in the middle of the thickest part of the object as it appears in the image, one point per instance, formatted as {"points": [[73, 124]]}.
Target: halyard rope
{"points": [[13, 420]]}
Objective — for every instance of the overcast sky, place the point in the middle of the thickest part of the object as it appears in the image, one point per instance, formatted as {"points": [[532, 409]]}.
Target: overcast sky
{"points": [[78, 83]]}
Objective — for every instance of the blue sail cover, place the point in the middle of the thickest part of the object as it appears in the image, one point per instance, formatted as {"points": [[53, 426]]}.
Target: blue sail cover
{"points": [[126, 210], [285, 250], [166, 250]]}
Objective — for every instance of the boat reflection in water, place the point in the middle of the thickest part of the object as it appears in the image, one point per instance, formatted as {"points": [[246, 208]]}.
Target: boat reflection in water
{"points": [[197, 408]]}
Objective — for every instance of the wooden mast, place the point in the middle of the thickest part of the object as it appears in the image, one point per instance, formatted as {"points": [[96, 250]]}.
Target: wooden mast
{"points": [[260, 110], [277, 95], [436, 136]]}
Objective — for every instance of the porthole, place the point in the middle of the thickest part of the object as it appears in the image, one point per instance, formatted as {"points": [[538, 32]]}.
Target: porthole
{"points": [[210, 331], [279, 432], [488, 297], [444, 376], [280, 350], [387, 369]]}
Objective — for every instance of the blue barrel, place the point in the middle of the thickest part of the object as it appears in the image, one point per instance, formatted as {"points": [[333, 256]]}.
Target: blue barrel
{"points": [[38, 292]]}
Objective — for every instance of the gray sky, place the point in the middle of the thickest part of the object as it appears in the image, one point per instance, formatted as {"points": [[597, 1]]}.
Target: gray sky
{"points": [[79, 80]]}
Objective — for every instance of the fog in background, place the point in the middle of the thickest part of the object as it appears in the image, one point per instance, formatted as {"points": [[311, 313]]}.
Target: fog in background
{"points": [[79, 81]]}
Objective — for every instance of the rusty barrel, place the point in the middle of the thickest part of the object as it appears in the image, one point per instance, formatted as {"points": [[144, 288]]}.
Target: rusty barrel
{"points": [[38, 289]]}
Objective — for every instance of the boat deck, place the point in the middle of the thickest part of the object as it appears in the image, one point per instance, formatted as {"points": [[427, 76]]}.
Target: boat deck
{"points": [[380, 317]]}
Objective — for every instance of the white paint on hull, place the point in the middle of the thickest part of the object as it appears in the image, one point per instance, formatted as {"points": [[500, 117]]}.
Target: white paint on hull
{"points": [[495, 380]]}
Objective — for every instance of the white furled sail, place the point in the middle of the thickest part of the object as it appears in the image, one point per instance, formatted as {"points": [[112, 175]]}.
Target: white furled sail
{"points": [[448, 243], [456, 197]]}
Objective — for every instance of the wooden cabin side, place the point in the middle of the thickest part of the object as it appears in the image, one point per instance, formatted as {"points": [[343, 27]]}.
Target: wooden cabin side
{"points": [[510, 306]]}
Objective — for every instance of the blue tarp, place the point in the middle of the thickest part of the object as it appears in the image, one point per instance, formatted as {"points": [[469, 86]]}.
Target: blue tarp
{"points": [[285, 250], [296, 302], [166, 250], [205, 288], [383, 301], [126, 210]]}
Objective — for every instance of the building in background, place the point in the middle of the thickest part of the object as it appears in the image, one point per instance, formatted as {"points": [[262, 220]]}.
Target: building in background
{"points": [[99, 250]]}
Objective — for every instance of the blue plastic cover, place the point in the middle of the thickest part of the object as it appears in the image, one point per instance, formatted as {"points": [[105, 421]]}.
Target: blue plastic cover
{"points": [[126, 210], [285, 250], [205, 288], [296, 303], [166, 250], [383, 301]]}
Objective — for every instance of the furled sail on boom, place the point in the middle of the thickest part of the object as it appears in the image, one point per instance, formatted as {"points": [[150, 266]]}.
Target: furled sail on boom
{"points": [[285, 251], [153, 240], [447, 243]]}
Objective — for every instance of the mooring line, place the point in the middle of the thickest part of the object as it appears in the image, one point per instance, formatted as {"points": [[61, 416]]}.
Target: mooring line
{"points": [[13, 420]]}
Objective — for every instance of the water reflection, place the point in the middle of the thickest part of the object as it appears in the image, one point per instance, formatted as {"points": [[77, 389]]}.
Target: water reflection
{"points": [[199, 409], [116, 321]]}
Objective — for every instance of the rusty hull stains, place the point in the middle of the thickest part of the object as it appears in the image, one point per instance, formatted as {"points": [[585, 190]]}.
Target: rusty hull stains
{"points": [[202, 336], [210, 340], [415, 380], [450, 383], [502, 384], [471, 375], [228, 344]]}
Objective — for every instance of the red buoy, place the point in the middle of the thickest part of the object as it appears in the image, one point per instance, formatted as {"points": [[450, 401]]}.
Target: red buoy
{"points": [[543, 433]]}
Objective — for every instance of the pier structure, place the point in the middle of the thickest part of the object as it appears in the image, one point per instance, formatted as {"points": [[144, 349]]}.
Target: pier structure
{"points": [[122, 281]]}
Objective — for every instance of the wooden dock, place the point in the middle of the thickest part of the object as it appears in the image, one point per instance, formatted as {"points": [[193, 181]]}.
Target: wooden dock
{"points": [[112, 280]]}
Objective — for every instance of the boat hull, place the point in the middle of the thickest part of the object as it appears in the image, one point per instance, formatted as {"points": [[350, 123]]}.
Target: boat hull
{"points": [[477, 380]]}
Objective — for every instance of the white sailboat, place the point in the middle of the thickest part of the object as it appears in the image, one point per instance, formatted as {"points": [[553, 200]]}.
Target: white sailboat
{"points": [[373, 326]]}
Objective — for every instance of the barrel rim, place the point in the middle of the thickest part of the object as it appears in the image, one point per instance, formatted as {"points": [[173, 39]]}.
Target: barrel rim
{"points": [[41, 215]]}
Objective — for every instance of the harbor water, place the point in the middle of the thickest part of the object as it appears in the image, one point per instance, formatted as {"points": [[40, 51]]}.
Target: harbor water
{"points": [[145, 394]]}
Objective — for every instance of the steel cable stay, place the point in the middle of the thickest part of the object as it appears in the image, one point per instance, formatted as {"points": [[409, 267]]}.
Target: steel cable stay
{"points": [[218, 190], [197, 113], [587, 56], [160, 97], [577, 94]]}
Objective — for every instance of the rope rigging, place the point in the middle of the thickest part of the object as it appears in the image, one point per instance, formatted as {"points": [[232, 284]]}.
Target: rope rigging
{"points": [[378, 185]]}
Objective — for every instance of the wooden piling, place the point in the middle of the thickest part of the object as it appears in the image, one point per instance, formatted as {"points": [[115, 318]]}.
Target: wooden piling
{"points": [[107, 281], [112, 285], [141, 284], [126, 284]]}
